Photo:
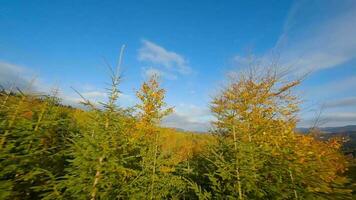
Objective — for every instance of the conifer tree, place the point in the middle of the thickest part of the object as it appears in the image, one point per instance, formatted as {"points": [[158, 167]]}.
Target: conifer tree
{"points": [[102, 154], [11, 110], [157, 180], [51, 151], [255, 156], [152, 108], [33, 143]]}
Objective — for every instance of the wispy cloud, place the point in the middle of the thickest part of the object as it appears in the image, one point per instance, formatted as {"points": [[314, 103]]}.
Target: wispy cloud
{"points": [[13, 75], [344, 102], [189, 117], [94, 94], [21, 77], [166, 62], [330, 89], [96, 97], [331, 119], [327, 98], [176, 120], [312, 42], [150, 71], [319, 35]]}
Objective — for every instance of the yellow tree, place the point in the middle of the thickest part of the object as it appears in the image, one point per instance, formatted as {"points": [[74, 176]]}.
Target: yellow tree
{"points": [[257, 148], [252, 108], [152, 108], [156, 180]]}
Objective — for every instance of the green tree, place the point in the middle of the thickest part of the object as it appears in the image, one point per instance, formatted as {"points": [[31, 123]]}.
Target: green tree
{"points": [[33, 134], [103, 155]]}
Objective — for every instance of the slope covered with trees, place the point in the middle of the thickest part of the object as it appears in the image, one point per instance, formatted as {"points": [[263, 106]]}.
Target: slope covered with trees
{"points": [[52, 151]]}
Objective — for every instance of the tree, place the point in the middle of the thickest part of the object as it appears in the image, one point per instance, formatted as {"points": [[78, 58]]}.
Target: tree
{"points": [[152, 108], [33, 141], [102, 154], [256, 147], [157, 180]]}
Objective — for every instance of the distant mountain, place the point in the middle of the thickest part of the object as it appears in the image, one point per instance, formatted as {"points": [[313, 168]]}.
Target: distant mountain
{"points": [[342, 129], [348, 132], [339, 129]]}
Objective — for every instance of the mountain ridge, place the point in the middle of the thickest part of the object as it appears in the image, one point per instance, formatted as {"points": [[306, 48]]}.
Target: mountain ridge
{"points": [[332, 129]]}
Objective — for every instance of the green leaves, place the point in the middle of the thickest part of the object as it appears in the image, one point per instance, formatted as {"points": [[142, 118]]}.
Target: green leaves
{"points": [[33, 131]]}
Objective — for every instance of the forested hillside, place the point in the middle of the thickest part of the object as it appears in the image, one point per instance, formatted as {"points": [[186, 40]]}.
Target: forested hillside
{"points": [[52, 151]]}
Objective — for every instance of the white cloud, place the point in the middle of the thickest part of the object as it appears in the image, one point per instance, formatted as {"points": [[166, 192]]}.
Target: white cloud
{"points": [[342, 85], [331, 119], [179, 121], [72, 100], [148, 72], [344, 102], [21, 77], [242, 61], [331, 88], [311, 42], [189, 117], [165, 60], [95, 96], [326, 97], [13, 75], [127, 100]]}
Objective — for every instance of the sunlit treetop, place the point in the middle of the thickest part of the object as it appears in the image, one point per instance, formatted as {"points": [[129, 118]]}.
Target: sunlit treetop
{"points": [[152, 108]]}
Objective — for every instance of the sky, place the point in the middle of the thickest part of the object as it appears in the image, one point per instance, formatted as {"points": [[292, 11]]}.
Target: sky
{"points": [[192, 45]]}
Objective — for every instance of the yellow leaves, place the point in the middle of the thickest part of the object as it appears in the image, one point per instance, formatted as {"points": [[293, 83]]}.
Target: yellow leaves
{"points": [[166, 169], [335, 143], [301, 160], [251, 104], [152, 108], [182, 145], [27, 114], [319, 159], [275, 152]]}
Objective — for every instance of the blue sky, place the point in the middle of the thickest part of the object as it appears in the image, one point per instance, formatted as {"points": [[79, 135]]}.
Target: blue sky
{"points": [[191, 44]]}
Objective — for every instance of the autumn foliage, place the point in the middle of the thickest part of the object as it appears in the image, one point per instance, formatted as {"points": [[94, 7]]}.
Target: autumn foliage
{"points": [[52, 151]]}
